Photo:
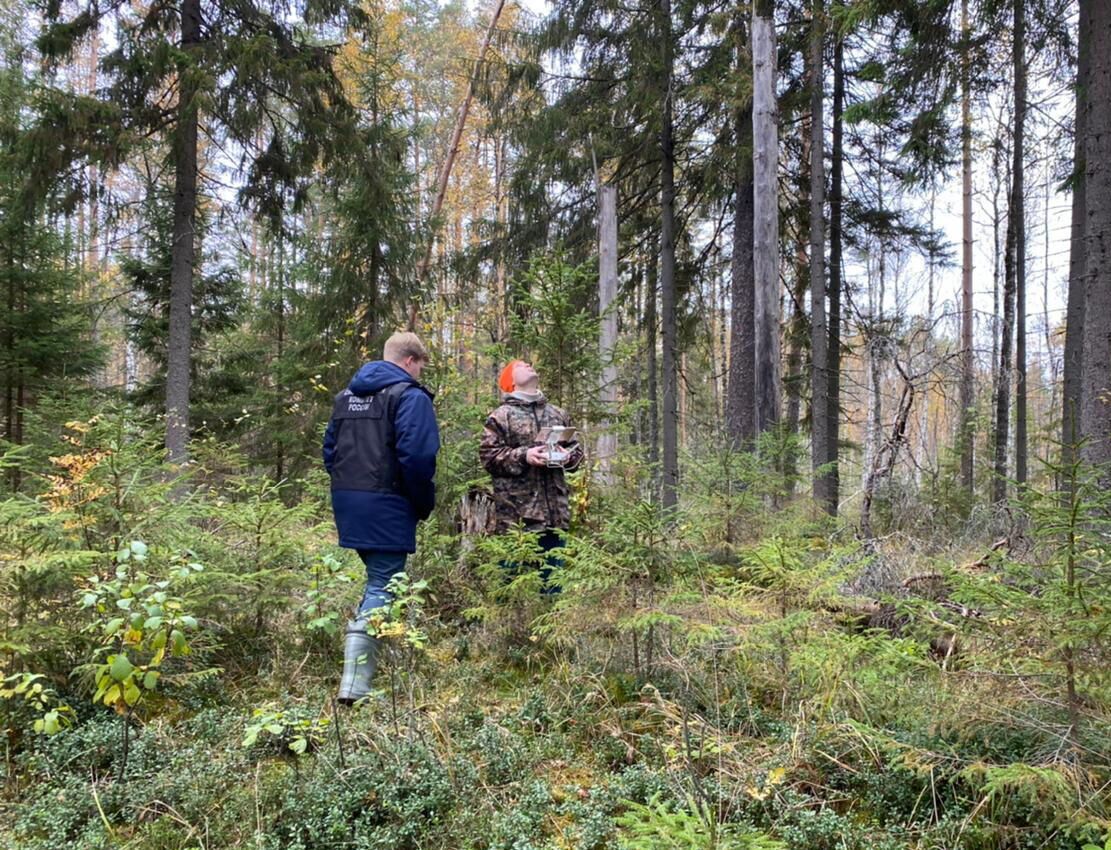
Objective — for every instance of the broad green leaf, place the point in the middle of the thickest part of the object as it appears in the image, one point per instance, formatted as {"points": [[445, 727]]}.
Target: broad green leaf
{"points": [[113, 625], [180, 647], [121, 668]]}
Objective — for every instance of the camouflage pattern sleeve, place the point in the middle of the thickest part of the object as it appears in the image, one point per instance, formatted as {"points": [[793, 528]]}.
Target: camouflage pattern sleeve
{"points": [[497, 456]]}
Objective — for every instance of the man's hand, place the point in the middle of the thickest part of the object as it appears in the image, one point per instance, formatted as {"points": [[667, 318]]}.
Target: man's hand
{"points": [[537, 456]]}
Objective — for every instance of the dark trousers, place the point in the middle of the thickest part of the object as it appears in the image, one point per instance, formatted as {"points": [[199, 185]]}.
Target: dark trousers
{"points": [[380, 568], [550, 542]]}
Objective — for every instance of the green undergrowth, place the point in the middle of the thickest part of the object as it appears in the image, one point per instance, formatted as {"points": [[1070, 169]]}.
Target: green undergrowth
{"points": [[713, 679]]}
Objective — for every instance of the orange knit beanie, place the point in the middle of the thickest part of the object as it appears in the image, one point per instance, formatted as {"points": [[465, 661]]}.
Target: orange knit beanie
{"points": [[505, 379]]}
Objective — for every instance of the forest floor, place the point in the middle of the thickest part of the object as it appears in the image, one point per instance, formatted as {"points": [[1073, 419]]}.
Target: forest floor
{"points": [[690, 687]]}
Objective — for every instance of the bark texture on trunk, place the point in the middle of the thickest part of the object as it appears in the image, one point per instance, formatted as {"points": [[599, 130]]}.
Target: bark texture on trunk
{"points": [[765, 216], [182, 256], [1095, 420], [967, 418], [1074, 318], [1006, 343], [740, 405], [607, 295], [670, 489], [833, 428], [819, 340], [1018, 201]]}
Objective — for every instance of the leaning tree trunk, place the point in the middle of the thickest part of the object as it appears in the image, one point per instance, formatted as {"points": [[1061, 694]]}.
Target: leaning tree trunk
{"points": [[1074, 319], [1019, 213], [179, 343], [883, 462], [766, 216], [1095, 419], [819, 340], [452, 152], [740, 403], [670, 490]]}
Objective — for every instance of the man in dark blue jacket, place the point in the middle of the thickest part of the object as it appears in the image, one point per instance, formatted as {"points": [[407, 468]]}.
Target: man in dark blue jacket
{"points": [[380, 451]]}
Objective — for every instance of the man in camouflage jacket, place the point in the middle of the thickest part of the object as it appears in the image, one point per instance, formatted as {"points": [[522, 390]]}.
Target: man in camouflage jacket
{"points": [[526, 489]]}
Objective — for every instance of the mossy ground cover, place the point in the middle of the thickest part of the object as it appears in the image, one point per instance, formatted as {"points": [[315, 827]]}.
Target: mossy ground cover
{"points": [[709, 680]]}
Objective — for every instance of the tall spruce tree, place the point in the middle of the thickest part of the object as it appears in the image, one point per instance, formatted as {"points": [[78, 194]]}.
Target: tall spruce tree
{"points": [[45, 338], [236, 72]]}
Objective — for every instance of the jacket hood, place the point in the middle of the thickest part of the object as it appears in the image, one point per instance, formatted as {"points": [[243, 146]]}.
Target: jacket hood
{"points": [[525, 399], [377, 375]]}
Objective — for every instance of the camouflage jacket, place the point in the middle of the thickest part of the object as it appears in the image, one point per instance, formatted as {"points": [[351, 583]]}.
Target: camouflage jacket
{"points": [[536, 496]]}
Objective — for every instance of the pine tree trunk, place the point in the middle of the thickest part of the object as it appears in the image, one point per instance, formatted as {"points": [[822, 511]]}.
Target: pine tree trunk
{"points": [[833, 426], [765, 216], [179, 343], [1074, 321], [819, 333], [1095, 419], [965, 436], [670, 489], [1019, 213]]}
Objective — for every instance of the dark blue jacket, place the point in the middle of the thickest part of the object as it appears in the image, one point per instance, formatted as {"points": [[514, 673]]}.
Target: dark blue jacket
{"points": [[380, 520]]}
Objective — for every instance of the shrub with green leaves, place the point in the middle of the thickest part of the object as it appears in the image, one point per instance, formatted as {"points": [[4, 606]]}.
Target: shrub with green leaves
{"points": [[140, 620], [293, 730]]}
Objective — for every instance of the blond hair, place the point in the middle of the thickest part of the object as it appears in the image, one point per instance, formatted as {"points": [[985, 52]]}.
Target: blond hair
{"points": [[404, 344]]}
